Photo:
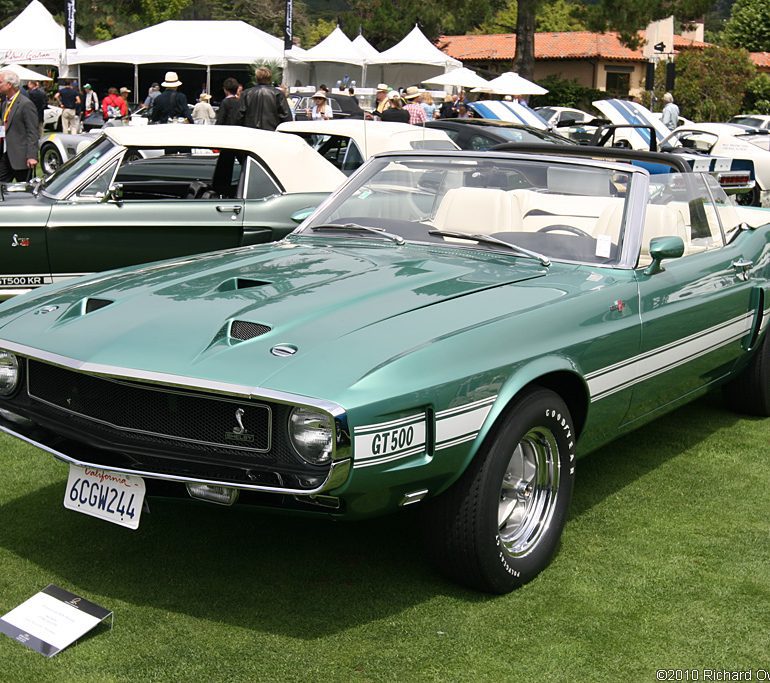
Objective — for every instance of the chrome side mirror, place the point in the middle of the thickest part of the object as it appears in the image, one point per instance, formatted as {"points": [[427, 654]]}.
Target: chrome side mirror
{"points": [[114, 193]]}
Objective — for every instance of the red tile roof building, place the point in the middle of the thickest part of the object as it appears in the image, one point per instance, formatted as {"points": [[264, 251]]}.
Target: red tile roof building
{"points": [[597, 60]]}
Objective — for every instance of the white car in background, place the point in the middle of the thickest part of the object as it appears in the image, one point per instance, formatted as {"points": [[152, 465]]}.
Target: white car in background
{"points": [[564, 116], [761, 121], [347, 143], [748, 148]]}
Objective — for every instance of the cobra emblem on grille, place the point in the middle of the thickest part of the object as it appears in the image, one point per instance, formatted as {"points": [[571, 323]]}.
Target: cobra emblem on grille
{"points": [[239, 432], [240, 429]]}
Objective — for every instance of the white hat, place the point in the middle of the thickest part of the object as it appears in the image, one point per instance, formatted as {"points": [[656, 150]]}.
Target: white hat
{"points": [[383, 87], [172, 81], [124, 89], [320, 93], [204, 96], [411, 92], [394, 95]]}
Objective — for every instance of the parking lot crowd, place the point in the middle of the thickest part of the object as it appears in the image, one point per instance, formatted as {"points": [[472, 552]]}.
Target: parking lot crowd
{"points": [[262, 106]]}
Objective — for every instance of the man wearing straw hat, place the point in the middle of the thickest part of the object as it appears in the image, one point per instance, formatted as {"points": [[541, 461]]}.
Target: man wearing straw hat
{"points": [[170, 103]]}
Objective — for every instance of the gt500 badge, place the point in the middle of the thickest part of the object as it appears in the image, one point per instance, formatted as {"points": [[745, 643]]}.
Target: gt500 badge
{"points": [[386, 441]]}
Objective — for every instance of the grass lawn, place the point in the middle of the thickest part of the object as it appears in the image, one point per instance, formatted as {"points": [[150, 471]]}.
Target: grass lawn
{"points": [[665, 563]]}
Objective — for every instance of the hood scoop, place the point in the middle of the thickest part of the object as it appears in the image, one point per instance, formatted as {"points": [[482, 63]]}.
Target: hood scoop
{"points": [[243, 330], [92, 305], [237, 283]]}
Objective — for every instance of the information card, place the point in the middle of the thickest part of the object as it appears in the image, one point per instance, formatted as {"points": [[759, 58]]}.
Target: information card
{"points": [[51, 620]]}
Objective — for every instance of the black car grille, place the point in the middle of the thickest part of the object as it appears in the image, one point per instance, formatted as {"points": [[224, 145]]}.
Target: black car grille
{"points": [[158, 426]]}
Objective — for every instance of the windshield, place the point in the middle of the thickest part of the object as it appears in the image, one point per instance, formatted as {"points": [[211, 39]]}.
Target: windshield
{"points": [[59, 180], [561, 210], [696, 140], [530, 135]]}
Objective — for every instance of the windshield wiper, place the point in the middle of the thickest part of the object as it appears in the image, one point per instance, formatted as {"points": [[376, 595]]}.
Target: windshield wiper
{"points": [[488, 239], [355, 227]]}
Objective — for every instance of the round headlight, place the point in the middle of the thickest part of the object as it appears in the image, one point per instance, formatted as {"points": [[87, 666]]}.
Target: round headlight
{"points": [[311, 434], [9, 373]]}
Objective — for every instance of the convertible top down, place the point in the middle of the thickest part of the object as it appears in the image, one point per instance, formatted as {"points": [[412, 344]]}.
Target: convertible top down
{"points": [[450, 330]]}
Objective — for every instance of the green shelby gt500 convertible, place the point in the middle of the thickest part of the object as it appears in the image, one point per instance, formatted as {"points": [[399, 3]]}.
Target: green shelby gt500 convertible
{"points": [[450, 330]]}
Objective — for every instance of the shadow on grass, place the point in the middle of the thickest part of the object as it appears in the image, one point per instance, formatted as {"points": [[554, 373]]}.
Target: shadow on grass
{"points": [[305, 578], [605, 472]]}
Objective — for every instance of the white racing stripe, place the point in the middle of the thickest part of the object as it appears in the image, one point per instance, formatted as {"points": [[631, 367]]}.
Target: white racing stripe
{"points": [[607, 381]]}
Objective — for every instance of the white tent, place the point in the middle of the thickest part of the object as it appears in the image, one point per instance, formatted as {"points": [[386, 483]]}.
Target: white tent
{"points": [[461, 78], [511, 83], [330, 61], [204, 43], [34, 37], [26, 74], [412, 60], [365, 48]]}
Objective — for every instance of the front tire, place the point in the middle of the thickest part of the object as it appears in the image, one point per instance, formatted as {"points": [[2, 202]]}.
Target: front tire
{"points": [[50, 159], [499, 525]]}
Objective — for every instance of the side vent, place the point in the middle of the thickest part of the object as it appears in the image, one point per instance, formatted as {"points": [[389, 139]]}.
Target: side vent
{"points": [[95, 304], [243, 330]]}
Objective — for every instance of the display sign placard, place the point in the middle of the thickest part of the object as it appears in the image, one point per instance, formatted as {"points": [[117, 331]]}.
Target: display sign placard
{"points": [[51, 620]]}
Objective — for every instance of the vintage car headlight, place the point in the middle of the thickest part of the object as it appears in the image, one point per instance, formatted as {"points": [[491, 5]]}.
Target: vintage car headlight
{"points": [[311, 432], [9, 373]]}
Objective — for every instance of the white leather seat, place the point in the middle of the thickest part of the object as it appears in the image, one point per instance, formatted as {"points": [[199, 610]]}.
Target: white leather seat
{"points": [[475, 210]]}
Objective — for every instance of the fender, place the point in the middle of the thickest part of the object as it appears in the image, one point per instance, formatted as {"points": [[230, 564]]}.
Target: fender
{"points": [[521, 378]]}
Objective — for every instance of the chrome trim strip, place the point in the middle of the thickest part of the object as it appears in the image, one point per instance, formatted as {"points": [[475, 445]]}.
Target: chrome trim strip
{"points": [[242, 390], [338, 472]]}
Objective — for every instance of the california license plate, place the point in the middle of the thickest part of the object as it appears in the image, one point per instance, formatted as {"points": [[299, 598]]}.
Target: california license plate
{"points": [[111, 496]]}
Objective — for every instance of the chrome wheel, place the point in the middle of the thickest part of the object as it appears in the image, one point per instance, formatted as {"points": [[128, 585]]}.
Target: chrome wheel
{"points": [[529, 491], [499, 525], [50, 159]]}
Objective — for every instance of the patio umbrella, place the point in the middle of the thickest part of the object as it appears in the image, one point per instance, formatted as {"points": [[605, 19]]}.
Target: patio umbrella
{"points": [[461, 78], [511, 83], [26, 74]]}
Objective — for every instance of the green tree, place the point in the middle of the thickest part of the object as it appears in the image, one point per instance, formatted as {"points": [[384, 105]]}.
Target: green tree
{"points": [[757, 99], [556, 15], [156, 11], [710, 83], [749, 26], [314, 32]]}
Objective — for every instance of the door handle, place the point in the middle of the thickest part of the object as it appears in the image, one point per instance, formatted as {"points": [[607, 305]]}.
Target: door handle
{"points": [[235, 208], [742, 268]]}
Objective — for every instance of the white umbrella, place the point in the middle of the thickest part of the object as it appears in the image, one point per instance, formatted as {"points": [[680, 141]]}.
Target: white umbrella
{"points": [[461, 78], [511, 83], [26, 74]]}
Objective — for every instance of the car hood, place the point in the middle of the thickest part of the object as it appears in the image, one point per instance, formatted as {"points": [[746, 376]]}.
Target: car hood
{"points": [[177, 317]]}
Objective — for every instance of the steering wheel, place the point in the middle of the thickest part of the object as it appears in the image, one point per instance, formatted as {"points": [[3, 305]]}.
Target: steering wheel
{"points": [[571, 229]]}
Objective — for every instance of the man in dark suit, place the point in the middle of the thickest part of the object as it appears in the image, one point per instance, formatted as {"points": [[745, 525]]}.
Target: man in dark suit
{"points": [[19, 130]]}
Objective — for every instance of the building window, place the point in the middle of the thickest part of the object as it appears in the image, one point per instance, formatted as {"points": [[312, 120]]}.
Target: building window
{"points": [[618, 84]]}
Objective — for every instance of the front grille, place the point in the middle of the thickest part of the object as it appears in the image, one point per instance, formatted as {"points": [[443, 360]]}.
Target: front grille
{"points": [[153, 412], [243, 330]]}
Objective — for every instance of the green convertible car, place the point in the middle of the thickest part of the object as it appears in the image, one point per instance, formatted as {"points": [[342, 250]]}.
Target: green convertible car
{"points": [[451, 331]]}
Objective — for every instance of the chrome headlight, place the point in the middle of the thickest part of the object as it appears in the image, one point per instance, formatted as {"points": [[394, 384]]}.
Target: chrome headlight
{"points": [[9, 373], [311, 432]]}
